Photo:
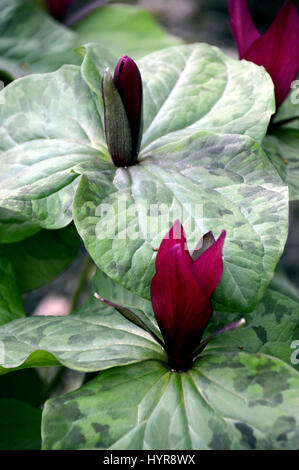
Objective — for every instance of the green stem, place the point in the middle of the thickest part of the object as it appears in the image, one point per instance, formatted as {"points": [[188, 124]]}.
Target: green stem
{"points": [[85, 276], [276, 125], [54, 382]]}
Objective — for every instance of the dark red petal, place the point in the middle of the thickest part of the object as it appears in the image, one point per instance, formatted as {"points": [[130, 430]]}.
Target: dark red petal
{"points": [[278, 50], [242, 26], [181, 307], [176, 235], [59, 8], [209, 266], [127, 80]]}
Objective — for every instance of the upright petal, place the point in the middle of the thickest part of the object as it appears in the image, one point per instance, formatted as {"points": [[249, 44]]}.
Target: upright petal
{"points": [[278, 50], [203, 244], [176, 235], [242, 26], [128, 82], [59, 8], [181, 307], [209, 266]]}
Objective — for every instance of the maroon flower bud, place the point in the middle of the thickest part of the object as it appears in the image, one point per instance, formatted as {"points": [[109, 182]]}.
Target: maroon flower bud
{"points": [[122, 98], [277, 49]]}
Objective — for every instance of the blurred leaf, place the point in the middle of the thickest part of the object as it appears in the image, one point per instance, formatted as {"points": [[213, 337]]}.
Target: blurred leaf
{"points": [[124, 30], [281, 283], [31, 41], [39, 259]]}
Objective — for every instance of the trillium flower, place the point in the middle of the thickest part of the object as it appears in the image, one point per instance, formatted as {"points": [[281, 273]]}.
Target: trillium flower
{"points": [[58, 8], [181, 290], [277, 49], [122, 97], [181, 293]]}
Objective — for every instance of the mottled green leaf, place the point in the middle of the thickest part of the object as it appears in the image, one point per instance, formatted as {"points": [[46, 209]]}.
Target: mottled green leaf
{"points": [[31, 41], [272, 328], [286, 144], [124, 29], [42, 140], [11, 306], [187, 164], [20, 426], [227, 401], [289, 108], [209, 182], [95, 338], [283, 136], [39, 259]]}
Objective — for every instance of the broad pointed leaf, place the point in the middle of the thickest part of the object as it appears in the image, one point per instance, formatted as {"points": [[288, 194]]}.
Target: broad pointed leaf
{"points": [[212, 183], [49, 139]]}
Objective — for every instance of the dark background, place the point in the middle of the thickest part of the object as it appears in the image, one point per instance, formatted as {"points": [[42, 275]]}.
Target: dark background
{"points": [[199, 20]]}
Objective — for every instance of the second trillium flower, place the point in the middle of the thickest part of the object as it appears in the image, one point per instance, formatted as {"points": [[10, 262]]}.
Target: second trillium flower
{"points": [[122, 96], [277, 49]]}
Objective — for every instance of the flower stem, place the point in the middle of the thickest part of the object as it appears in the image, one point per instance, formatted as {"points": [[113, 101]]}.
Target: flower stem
{"points": [[83, 12], [85, 275], [276, 125]]}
